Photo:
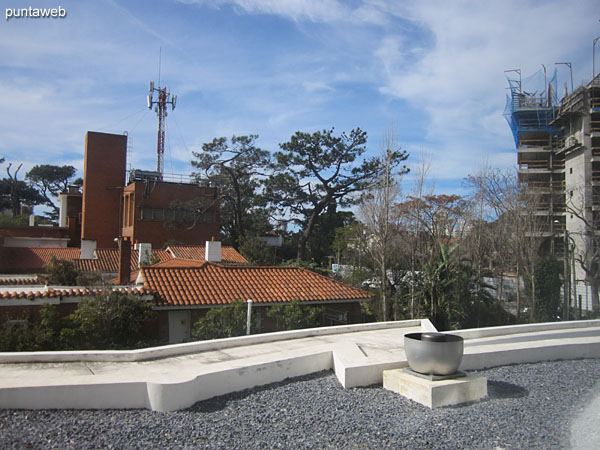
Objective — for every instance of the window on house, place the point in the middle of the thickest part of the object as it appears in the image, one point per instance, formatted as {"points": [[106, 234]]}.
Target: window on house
{"points": [[147, 213], [177, 215]]}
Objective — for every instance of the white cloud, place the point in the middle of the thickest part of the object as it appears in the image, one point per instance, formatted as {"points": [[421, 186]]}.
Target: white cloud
{"points": [[316, 11], [296, 10], [434, 66], [458, 79]]}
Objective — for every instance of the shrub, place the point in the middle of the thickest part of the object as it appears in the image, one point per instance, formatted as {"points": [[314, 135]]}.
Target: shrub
{"points": [[61, 272], [295, 316], [107, 321], [223, 322], [548, 283]]}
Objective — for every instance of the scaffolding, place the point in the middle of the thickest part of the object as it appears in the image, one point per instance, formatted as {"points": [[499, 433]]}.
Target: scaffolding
{"points": [[531, 105]]}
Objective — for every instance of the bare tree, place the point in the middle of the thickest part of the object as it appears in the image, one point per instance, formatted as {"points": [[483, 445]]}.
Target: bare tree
{"points": [[586, 251], [376, 213], [521, 226], [410, 216]]}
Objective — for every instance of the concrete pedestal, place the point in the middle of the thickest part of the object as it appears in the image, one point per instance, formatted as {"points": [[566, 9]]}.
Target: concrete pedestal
{"points": [[435, 393]]}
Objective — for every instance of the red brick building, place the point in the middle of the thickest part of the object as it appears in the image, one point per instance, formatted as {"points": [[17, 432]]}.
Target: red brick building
{"points": [[149, 214], [147, 209]]}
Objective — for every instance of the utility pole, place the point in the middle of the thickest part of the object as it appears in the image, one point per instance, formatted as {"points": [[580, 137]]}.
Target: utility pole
{"points": [[164, 99]]}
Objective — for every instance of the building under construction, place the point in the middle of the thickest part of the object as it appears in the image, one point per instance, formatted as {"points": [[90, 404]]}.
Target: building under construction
{"points": [[558, 156]]}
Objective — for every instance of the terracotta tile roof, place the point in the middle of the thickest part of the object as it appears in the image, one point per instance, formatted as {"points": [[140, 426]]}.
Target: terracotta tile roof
{"points": [[229, 255], [216, 284], [175, 262], [180, 262], [25, 259], [19, 281], [107, 260], [67, 292]]}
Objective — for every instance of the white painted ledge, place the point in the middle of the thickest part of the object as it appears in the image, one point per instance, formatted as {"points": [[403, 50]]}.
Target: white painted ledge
{"points": [[354, 364], [167, 351]]}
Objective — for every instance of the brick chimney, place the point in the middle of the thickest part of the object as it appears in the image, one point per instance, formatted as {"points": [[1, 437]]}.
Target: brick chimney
{"points": [[124, 260]]}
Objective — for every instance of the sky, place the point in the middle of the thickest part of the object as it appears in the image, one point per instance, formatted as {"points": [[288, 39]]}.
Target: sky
{"points": [[430, 70]]}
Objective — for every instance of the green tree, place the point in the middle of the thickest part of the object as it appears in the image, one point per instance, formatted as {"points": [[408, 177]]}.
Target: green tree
{"points": [[18, 335], [29, 333], [15, 193], [294, 316], [236, 168], [319, 247], [257, 252], [22, 220], [110, 320], [61, 272], [49, 181], [548, 281], [223, 322], [453, 294], [318, 169]]}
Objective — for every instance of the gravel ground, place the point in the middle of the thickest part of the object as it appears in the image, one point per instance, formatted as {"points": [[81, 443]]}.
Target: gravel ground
{"points": [[529, 406]]}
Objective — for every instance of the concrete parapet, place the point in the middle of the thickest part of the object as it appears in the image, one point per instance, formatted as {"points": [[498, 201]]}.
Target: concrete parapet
{"points": [[162, 379], [167, 351]]}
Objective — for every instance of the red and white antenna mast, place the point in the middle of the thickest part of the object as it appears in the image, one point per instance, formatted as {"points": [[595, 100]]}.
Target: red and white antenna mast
{"points": [[164, 99]]}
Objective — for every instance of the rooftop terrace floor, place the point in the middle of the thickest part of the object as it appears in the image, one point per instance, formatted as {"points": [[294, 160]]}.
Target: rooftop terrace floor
{"points": [[546, 405], [175, 377]]}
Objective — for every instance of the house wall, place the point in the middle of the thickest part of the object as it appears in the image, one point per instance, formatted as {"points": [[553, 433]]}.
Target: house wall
{"points": [[31, 312], [70, 215], [34, 236], [350, 310], [163, 327]]}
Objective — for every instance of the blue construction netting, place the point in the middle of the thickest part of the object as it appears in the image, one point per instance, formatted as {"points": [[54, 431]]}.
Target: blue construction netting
{"points": [[532, 103]]}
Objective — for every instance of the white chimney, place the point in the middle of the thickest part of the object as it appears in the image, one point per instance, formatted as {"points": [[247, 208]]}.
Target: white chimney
{"points": [[144, 254], [88, 247], [212, 251], [62, 215]]}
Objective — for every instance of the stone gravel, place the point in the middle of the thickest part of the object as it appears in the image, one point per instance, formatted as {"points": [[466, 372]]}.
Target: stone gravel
{"points": [[528, 406]]}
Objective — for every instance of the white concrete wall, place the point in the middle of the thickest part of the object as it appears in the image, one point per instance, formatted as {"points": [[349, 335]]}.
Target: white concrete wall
{"points": [[35, 242], [484, 347], [201, 346]]}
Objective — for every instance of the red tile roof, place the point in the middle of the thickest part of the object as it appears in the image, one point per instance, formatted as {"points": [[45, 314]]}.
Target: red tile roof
{"points": [[216, 284], [107, 260], [68, 292], [229, 255], [175, 262], [19, 281], [180, 262], [24, 259]]}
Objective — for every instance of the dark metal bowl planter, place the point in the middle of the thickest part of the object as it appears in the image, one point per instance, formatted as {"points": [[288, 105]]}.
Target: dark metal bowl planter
{"points": [[433, 353]]}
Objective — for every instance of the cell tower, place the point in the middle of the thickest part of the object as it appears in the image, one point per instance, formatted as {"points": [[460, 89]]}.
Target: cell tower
{"points": [[164, 98]]}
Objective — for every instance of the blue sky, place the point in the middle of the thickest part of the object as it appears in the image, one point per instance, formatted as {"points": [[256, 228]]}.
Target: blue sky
{"points": [[431, 70]]}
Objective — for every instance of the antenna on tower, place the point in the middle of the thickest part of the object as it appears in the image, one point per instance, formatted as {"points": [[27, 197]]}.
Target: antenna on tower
{"points": [[160, 107]]}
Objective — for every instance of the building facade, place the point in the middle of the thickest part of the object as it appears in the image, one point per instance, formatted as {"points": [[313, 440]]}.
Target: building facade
{"points": [[558, 157], [144, 208]]}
